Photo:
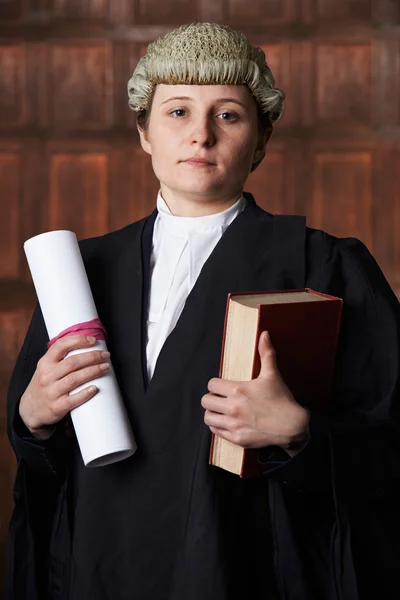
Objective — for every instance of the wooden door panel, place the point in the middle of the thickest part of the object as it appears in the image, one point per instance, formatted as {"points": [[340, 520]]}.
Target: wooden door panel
{"points": [[386, 209], [35, 201], [73, 9], [241, 12], [342, 194], [354, 9], [79, 193], [385, 86], [12, 84], [343, 83], [174, 12], [10, 196], [80, 85], [267, 182], [11, 11]]}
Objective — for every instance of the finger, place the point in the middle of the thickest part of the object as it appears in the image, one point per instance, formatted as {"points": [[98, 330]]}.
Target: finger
{"points": [[216, 404], [61, 347], [239, 438], [225, 387], [80, 361], [69, 402], [220, 421], [220, 432], [73, 380], [267, 355]]}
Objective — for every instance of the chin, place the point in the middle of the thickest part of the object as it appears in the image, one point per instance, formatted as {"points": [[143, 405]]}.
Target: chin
{"points": [[201, 187], [203, 192]]}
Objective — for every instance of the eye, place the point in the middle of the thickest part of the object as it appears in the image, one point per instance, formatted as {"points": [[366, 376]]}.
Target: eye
{"points": [[178, 112], [227, 116]]}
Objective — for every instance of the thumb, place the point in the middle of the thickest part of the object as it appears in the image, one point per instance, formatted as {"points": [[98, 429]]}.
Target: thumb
{"points": [[267, 355]]}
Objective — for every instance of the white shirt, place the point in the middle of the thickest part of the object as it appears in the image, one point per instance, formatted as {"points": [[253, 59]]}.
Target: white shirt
{"points": [[181, 246]]}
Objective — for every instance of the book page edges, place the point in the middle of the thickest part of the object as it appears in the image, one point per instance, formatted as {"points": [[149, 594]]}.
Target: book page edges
{"points": [[237, 367]]}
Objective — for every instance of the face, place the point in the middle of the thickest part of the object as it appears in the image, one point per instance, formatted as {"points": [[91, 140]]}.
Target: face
{"points": [[203, 141]]}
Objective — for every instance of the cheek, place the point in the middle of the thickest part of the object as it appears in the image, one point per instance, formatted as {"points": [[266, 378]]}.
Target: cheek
{"points": [[165, 146], [160, 164], [242, 152], [163, 158]]}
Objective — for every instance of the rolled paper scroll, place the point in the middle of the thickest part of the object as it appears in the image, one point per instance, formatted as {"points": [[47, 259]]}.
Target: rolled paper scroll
{"points": [[101, 424]]}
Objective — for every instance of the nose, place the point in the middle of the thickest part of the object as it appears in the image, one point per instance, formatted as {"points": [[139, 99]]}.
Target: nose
{"points": [[202, 133]]}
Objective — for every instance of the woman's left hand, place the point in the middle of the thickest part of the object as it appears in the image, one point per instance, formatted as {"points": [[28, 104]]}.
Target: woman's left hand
{"points": [[257, 413]]}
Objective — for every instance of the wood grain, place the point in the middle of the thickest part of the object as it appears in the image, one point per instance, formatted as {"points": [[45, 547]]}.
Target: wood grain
{"points": [[343, 73], [79, 193], [260, 12], [80, 85], [81, 9], [267, 182], [10, 194], [342, 198], [174, 12], [386, 208], [12, 67], [354, 9], [10, 11]]}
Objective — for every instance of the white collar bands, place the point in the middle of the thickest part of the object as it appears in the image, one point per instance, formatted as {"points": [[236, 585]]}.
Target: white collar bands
{"points": [[183, 225]]}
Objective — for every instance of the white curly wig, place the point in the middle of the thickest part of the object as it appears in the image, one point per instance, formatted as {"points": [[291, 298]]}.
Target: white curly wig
{"points": [[203, 54]]}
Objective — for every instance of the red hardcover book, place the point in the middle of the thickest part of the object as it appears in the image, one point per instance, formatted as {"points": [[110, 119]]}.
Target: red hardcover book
{"points": [[303, 326]]}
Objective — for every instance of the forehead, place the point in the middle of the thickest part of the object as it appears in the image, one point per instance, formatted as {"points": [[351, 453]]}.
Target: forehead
{"points": [[204, 93]]}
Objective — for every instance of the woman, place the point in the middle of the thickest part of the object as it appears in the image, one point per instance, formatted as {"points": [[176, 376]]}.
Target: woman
{"points": [[163, 524]]}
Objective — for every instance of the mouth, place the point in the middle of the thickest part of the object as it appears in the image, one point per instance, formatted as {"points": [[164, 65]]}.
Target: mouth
{"points": [[199, 162]]}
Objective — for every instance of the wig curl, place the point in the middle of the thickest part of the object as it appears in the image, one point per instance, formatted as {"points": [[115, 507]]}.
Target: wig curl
{"points": [[204, 54]]}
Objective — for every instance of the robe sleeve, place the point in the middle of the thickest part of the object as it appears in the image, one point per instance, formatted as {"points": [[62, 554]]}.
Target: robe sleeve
{"points": [[40, 483], [40, 475], [356, 442], [43, 456]]}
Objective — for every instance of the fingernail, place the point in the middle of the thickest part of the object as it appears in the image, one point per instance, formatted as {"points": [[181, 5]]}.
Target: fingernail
{"points": [[105, 355], [91, 339], [104, 366], [91, 389]]}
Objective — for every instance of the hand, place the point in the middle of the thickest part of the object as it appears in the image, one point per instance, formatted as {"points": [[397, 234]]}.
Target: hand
{"points": [[46, 400], [257, 413]]}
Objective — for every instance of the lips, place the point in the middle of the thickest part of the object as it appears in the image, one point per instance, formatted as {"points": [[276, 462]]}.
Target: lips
{"points": [[198, 160]]}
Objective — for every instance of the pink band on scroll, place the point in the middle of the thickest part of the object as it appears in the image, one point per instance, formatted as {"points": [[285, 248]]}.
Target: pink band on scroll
{"points": [[93, 327]]}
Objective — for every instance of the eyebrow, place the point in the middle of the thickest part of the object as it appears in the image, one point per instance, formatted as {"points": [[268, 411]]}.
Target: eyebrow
{"points": [[219, 100]]}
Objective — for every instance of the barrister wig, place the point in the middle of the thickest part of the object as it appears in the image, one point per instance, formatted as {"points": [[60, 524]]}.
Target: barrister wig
{"points": [[204, 54]]}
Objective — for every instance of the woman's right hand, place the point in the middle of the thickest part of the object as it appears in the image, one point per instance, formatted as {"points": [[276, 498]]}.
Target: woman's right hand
{"points": [[46, 400]]}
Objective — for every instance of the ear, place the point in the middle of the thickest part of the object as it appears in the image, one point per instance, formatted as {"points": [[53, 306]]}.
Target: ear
{"points": [[144, 139]]}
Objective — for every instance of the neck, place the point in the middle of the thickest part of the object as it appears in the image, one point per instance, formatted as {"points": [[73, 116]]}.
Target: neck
{"points": [[186, 206]]}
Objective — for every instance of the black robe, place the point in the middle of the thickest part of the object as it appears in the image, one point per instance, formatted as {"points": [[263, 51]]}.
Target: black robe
{"points": [[163, 524]]}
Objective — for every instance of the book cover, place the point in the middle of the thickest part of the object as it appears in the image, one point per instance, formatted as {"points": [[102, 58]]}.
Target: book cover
{"points": [[303, 326]]}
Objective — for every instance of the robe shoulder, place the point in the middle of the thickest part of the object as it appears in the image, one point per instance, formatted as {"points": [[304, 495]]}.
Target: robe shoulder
{"points": [[114, 241], [348, 261], [360, 432]]}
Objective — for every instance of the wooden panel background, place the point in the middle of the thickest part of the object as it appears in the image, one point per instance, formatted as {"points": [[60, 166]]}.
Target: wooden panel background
{"points": [[69, 153]]}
